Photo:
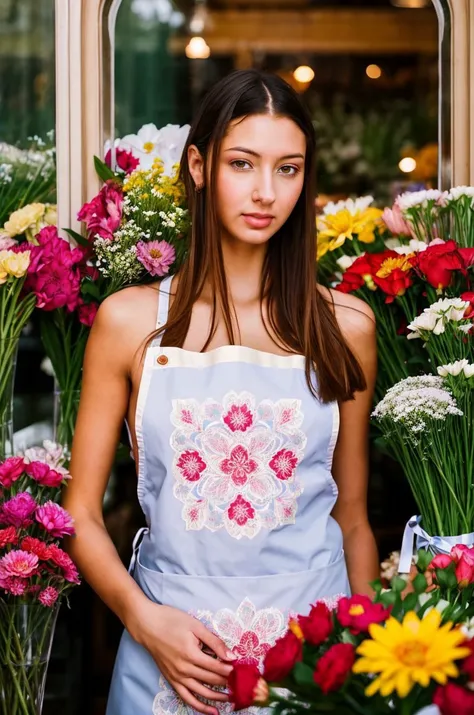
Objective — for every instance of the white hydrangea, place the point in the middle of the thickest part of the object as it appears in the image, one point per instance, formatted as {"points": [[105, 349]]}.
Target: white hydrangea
{"points": [[458, 191], [456, 368], [419, 198], [415, 400], [435, 318], [352, 205]]}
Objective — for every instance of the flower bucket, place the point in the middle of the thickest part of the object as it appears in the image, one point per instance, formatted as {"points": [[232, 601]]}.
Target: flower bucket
{"points": [[66, 405], [415, 537], [8, 357], [26, 636]]}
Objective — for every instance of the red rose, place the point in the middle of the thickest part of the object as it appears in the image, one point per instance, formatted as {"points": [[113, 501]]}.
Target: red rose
{"points": [[353, 278], [318, 625], [124, 160], [333, 668], [467, 666], [358, 612], [467, 256], [453, 699], [469, 296], [437, 263], [242, 684], [280, 659]]}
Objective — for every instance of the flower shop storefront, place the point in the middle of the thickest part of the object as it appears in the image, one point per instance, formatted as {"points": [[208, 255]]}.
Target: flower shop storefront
{"points": [[91, 130]]}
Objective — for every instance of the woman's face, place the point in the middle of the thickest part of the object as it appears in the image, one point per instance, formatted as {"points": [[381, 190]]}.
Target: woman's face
{"points": [[260, 177]]}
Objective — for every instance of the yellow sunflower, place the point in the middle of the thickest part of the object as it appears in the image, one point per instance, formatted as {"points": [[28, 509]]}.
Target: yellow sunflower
{"points": [[414, 651]]}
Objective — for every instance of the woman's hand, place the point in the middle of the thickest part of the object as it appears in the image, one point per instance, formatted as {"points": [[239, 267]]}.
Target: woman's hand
{"points": [[176, 640]]}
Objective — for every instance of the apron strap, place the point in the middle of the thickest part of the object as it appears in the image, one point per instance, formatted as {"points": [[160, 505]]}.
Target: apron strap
{"points": [[163, 301], [136, 547]]}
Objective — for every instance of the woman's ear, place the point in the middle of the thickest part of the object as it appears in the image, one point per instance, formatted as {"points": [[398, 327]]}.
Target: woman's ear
{"points": [[196, 166]]}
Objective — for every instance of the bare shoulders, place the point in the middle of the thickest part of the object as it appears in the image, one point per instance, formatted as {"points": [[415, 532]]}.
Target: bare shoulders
{"points": [[355, 317]]}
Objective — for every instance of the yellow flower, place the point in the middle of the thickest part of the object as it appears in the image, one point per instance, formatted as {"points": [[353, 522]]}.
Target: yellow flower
{"points": [[414, 651], [391, 264], [343, 225], [24, 218], [14, 264], [3, 270], [295, 628]]}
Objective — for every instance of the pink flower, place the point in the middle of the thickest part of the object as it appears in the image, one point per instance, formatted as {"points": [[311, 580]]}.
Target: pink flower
{"points": [[241, 511], [394, 221], [18, 564], [11, 470], [239, 465], [238, 418], [64, 561], [464, 572], [48, 597], [57, 286], [156, 256], [123, 159], [284, 463], [103, 214], [6, 242], [191, 465], [43, 474], [440, 561], [462, 551], [56, 520], [13, 586], [37, 547], [8, 536], [18, 510], [86, 313]]}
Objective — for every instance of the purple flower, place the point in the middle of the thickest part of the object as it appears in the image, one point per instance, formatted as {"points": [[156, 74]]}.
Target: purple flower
{"points": [[156, 256]]}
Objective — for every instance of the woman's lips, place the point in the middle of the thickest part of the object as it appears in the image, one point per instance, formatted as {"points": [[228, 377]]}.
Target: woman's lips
{"points": [[258, 221]]}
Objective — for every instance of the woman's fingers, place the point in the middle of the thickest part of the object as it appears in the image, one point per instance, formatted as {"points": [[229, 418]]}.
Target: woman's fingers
{"points": [[205, 676], [191, 700], [203, 691], [212, 665]]}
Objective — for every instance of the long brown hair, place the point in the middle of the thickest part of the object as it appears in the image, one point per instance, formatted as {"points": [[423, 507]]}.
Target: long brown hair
{"points": [[301, 318]]}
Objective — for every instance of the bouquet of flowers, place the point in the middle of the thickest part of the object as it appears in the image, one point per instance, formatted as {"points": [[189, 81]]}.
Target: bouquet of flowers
{"points": [[138, 224], [35, 573], [27, 175], [405, 649]]}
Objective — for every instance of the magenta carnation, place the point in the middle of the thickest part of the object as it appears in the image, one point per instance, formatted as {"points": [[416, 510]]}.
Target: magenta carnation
{"points": [[103, 214], [48, 597], [18, 510], [8, 536], [43, 474], [11, 470], [87, 312], [36, 546], [64, 561], [156, 256], [56, 520], [18, 564], [123, 159]]}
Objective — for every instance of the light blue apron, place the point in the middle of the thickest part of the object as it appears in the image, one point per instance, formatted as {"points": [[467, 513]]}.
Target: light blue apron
{"points": [[234, 478]]}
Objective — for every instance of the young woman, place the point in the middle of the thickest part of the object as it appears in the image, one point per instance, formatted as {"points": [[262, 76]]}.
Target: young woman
{"points": [[247, 389]]}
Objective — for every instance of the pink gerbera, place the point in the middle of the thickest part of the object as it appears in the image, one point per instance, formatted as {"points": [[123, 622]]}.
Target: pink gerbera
{"points": [[18, 564], [156, 256], [56, 520]]}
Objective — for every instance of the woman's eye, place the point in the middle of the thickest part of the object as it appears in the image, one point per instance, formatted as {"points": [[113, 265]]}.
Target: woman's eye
{"points": [[288, 170], [239, 164]]}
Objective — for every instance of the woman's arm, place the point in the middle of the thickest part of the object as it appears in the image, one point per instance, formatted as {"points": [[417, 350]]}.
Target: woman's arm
{"points": [[172, 637], [351, 460]]}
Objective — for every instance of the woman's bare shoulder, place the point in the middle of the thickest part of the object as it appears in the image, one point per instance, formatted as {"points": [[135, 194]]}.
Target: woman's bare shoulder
{"points": [[354, 316]]}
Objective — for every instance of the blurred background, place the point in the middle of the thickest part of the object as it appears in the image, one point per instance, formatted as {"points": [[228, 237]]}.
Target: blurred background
{"points": [[368, 71]]}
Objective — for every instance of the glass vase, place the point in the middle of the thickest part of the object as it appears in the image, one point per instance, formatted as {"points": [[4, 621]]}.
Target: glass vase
{"points": [[66, 405], [8, 357], [26, 636]]}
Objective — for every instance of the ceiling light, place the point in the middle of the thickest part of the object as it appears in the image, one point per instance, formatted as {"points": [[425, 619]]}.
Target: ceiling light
{"points": [[407, 165], [373, 71], [197, 49], [412, 4], [303, 74]]}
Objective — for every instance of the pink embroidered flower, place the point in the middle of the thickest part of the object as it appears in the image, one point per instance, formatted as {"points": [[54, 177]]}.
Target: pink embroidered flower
{"points": [[64, 561], [156, 256], [284, 464], [238, 418], [56, 520], [103, 214], [241, 511], [18, 510], [8, 536], [43, 474], [239, 465], [36, 546], [11, 470], [48, 597], [250, 650], [124, 160], [191, 465], [18, 564], [87, 312]]}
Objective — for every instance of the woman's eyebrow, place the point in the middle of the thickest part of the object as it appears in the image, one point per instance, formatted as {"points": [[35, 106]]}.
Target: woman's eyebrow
{"points": [[255, 153]]}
